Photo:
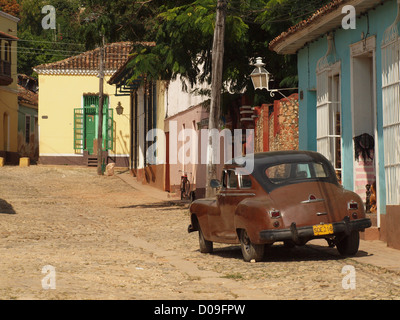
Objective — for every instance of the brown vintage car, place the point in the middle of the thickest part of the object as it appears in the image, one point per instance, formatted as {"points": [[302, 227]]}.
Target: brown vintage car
{"points": [[290, 196]]}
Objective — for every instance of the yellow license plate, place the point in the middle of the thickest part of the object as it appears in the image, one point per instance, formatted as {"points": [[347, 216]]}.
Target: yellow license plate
{"points": [[323, 229]]}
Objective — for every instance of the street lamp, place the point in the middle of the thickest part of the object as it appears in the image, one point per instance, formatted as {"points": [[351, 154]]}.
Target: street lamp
{"points": [[119, 108], [261, 78]]}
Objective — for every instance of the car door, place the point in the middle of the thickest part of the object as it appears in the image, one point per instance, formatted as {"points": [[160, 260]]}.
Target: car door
{"points": [[238, 188], [214, 216], [227, 206]]}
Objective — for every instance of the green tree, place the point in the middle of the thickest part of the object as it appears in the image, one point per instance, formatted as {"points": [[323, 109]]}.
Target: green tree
{"points": [[184, 35], [120, 20], [38, 46]]}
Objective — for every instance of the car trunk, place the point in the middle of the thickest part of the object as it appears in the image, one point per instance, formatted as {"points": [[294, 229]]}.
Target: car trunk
{"points": [[310, 203]]}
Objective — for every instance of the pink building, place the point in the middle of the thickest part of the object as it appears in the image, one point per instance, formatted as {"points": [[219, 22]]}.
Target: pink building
{"points": [[194, 118]]}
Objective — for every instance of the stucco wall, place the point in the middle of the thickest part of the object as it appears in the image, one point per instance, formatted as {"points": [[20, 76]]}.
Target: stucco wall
{"points": [[189, 119], [59, 95], [9, 94], [374, 25], [178, 100]]}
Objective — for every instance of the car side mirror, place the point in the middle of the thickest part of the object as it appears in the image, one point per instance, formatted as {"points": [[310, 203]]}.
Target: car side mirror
{"points": [[215, 184]]}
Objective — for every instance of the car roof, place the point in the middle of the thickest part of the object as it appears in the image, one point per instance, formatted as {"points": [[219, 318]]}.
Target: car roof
{"points": [[277, 157], [267, 159]]}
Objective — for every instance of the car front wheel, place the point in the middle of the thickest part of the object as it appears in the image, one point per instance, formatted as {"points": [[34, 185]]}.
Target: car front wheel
{"points": [[348, 246], [250, 250]]}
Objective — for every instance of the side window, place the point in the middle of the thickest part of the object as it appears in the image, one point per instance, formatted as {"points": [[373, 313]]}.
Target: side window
{"points": [[303, 171], [224, 179], [245, 182], [320, 171], [279, 173], [232, 180]]}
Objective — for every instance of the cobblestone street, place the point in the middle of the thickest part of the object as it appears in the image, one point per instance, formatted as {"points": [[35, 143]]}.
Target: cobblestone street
{"points": [[109, 240]]}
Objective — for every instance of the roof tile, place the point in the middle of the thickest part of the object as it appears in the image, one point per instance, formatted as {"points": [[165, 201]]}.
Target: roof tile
{"points": [[116, 55]]}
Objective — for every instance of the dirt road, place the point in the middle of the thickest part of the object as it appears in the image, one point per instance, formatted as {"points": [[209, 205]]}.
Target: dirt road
{"points": [[107, 240]]}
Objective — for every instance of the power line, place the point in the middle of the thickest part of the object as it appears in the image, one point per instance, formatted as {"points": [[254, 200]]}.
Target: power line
{"points": [[53, 42]]}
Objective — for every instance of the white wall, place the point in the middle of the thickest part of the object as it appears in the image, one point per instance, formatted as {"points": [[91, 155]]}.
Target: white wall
{"points": [[177, 100]]}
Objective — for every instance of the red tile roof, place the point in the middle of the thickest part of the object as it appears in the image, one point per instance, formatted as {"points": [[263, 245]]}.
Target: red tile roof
{"points": [[116, 55], [322, 21], [7, 36], [26, 96], [316, 16]]}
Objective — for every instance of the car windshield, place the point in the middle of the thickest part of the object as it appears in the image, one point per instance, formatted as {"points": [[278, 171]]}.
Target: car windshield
{"points": [[284, 173]]}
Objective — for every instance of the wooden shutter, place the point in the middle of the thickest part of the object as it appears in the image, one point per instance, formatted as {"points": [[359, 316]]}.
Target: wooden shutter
{"points": [[323, 115], [391, 118], [109, 135], [79, 129]]}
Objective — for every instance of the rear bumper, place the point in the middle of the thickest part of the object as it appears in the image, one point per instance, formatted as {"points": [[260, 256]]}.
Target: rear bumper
{"points": [[339, 228]]}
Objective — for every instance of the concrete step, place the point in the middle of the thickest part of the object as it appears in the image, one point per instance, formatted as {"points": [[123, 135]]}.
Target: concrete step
{"points": [[92, 162], [370, 234], [374, 218]]}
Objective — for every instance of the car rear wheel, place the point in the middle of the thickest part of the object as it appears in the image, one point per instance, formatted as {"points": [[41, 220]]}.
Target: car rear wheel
{"points": [[348, 246], [250, 250], [205, 245]]}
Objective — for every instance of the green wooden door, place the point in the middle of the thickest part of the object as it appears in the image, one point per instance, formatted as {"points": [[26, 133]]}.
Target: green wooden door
{"points": [[86, 125], [90, 136]]}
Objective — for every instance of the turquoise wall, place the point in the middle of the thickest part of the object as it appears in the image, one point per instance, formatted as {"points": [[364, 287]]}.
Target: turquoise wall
{"points": [[375, 24], [25, 111]]}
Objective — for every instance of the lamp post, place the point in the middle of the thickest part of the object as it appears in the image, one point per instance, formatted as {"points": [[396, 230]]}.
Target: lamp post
{"points": [[119, 108], [261, 78]]}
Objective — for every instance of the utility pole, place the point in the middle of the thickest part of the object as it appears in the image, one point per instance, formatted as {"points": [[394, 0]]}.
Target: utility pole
{"points": [[216, 87], [101, 102]]}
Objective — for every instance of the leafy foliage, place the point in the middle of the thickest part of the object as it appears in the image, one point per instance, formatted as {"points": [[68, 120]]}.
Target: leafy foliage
{"points": [[184, 40], [185, 33], [38, 46], [182, 29]]}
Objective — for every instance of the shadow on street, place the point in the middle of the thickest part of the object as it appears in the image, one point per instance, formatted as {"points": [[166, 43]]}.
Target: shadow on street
{"points": [[164, 205], [278, 253], [6, 208]]}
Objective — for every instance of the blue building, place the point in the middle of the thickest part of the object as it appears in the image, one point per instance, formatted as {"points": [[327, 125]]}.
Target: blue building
{"points": [[349, 89]]}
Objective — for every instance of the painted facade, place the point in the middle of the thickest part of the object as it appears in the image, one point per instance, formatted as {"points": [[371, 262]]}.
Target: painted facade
{"points": [[152, 104], [349, 101], [187, 124], [28, 121], [68, 110], [148, 113], [8, 88]]}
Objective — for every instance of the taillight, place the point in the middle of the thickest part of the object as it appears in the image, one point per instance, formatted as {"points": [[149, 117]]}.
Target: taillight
{"points": [[274, 214], [352, 205]]}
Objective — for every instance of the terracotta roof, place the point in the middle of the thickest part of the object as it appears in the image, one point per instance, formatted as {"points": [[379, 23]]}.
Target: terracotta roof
{"points": [[87, 63], [8, 36], [27, 97], [320, 22]]}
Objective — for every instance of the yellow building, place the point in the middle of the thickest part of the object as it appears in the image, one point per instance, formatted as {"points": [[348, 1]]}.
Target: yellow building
{"points": [[8, 88], [68, 110]]}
